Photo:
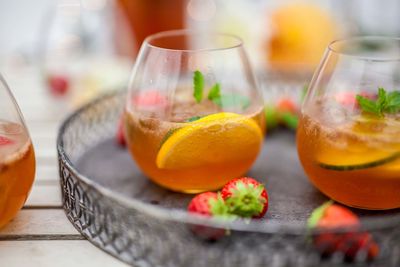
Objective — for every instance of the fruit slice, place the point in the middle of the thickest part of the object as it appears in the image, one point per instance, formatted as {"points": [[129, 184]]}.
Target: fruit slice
{"points": [[217, 138], [356, 161], [5, 141]]}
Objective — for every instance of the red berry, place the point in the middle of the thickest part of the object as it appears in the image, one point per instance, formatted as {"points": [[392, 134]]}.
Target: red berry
{"points": [[150, 98], [348, 99], [5, 141], [287, 105], [120, 136], [330, 217], [58, 84], [203, 203], [208, 204], [338, 216], [246, 197]]}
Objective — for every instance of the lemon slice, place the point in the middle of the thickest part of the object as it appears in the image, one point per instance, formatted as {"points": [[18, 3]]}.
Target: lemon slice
{"points": [[217, 138]]}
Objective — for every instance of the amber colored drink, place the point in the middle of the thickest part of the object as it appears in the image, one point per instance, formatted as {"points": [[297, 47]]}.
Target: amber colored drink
{"points": [[17, 170], [146, 17], [195, 156], [354, 161]]}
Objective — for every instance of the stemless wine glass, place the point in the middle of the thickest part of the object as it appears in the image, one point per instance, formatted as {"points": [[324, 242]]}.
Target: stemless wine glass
{"points": [[194, 115], [348, 138], [17, 158]]}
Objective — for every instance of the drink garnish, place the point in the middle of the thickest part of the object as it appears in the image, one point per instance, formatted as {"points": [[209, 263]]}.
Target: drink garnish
{"points": [[194, 118], [5, 141], [215, 92], [388, 103], [360, 166], [229, 137], [198, 84], [215, 95]]}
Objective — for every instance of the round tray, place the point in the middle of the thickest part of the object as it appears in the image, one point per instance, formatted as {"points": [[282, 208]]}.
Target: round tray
{"points": [[108, 199]]}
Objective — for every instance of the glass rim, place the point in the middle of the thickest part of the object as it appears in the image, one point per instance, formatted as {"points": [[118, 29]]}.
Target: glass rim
{"points": [[238, 42], [366, 38]]}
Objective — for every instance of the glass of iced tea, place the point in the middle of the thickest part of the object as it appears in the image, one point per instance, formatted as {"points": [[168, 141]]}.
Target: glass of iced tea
{"points": [[17, 159], [348, 139], [194, 115]]}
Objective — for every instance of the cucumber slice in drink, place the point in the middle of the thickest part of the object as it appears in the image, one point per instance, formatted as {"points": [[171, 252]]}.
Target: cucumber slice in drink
{"points": [[360, 166]]}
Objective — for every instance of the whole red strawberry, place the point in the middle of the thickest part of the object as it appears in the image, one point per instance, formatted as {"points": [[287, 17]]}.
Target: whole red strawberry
{"points": [[329, 217], [5, 141], [208, 204], [120, 135], [245, 197], [58, 84]]}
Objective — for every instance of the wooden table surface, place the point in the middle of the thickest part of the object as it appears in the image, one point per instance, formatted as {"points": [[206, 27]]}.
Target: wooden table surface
{"points": [[41, 234]]}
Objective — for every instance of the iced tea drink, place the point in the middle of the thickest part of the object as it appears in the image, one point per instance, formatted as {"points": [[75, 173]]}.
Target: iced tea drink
{"points": [[351, 156], [199, 148], [194, 114], [17, 169]]}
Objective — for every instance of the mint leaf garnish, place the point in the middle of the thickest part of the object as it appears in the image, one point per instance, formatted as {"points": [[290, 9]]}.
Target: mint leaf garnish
{"points": [[215, 95], [385, 103], [393, 102], [198, 84], [215, 92], [194, 118]]}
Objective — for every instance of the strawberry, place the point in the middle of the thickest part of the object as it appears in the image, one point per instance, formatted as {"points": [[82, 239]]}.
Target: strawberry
{"points": [[348, 99], [5, 141], [58, 85], [120, 135], [329, 217], [245, 197], [150, 98], [287, 105], [208, 204]]}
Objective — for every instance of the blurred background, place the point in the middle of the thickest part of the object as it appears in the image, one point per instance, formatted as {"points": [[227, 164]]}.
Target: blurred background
{"points": [[79, 49]]}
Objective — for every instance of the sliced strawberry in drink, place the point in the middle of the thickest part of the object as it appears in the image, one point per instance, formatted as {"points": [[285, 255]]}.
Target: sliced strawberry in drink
{"points": [[348, 99], [150, 98], [5, 141]]}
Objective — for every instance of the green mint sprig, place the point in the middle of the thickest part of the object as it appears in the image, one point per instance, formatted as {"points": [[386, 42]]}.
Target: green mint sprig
{"points": [[215, 94], [385, 103], [198, 84]]}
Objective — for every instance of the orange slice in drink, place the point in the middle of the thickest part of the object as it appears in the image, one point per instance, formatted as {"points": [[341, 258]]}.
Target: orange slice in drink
{"points": [[217, 138]]}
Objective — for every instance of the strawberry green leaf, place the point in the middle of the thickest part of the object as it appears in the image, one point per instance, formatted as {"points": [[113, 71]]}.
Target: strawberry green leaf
{"points": [[246, 200], [219, 208], [198, 84], [317, 214], [215, 92], [290, 120]]}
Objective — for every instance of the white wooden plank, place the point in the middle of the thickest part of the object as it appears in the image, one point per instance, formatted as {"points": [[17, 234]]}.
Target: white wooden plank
{"points": [[36, 222], [60, 253], [45, 160], [46, 173], [44, 195], [42, 129]]}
